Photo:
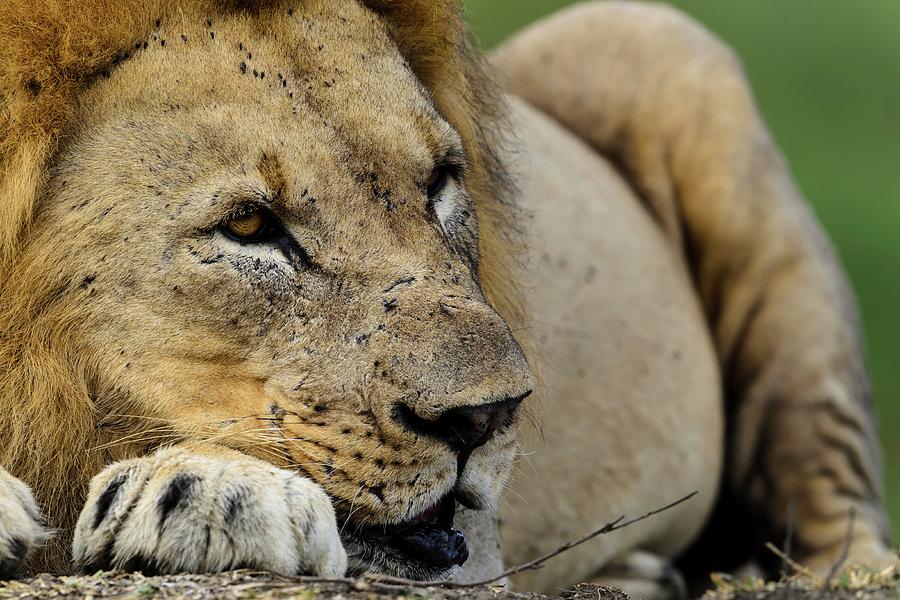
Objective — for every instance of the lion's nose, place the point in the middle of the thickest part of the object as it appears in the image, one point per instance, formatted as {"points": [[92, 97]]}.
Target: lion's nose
{"points": [[465, 428]]}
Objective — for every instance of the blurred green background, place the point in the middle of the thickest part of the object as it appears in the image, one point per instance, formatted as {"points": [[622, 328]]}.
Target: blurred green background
{"points": [[827, 78]]}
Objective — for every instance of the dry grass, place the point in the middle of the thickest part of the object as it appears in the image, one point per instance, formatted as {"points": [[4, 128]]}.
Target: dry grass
{"points": [[855, 582]]}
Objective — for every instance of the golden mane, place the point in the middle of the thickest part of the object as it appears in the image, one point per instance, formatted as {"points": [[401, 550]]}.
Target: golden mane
{"points": [[50, 51]]}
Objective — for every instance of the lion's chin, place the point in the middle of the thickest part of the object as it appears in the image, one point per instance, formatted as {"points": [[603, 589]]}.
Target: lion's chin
{"points": [[426, 547]]}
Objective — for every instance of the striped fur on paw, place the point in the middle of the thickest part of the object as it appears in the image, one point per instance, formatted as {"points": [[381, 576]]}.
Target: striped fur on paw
{"points": [[181, 512], [21, 529]]}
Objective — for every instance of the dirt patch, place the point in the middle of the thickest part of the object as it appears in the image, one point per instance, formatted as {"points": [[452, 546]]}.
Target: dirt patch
{"points": [[247, 585], [782, 593], [244, 585]]}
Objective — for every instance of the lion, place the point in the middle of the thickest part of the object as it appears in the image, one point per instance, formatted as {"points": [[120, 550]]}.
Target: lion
{"points": [[294, 285]]}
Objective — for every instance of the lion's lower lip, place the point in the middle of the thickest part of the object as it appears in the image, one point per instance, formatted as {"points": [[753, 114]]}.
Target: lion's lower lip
{"points": [[436, 546], [428, 538]]}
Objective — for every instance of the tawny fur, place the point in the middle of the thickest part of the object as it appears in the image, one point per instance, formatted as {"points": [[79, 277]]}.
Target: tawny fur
{"points": [[625, 394]]}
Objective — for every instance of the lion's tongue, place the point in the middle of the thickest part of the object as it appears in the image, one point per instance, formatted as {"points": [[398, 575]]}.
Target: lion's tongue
{"points": [[435, 545]]}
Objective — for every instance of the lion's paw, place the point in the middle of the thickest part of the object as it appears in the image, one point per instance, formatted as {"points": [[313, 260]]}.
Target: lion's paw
{"points": [[178, 511], [21, 529], [644, 575]]}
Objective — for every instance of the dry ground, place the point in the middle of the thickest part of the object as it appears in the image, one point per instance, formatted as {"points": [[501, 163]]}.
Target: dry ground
{"points": [[259, 586], [246, 585]]}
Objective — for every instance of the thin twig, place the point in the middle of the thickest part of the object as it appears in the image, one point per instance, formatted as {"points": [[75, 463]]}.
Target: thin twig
{"points": [[388, 582], [842, 558], [797, 567], [536, 563], [788, 539]]}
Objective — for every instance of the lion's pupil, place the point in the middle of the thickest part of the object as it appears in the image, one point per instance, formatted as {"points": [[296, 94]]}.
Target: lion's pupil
{"points": [[247, 225]]}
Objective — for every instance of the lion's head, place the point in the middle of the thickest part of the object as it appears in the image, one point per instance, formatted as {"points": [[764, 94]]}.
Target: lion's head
{"points": [[258, 225]]}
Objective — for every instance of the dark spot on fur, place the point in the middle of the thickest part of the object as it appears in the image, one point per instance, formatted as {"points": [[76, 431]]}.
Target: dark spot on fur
{"points": [[179, 489], [399, 282], [357, 455], [320, 408], [104, 502], [390, 305], [379, 463], [208, 22], [212, 35], [162, 43], [207, 533], [33, 86], [377, 491], [278, 414], [18, 549], [87, 281], [243, 67], [212, 259], [148, 566], [380, 194], [103, 562], [184, 38], [158, 22], [346, 430]]}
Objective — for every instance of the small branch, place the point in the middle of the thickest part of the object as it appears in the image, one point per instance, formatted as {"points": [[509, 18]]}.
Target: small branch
{"points": [[536, 563], [842, 558], [788, 540], [797, 567]]}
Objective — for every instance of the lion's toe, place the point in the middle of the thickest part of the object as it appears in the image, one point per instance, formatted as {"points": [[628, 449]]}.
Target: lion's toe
{"points": [[21, 524]]}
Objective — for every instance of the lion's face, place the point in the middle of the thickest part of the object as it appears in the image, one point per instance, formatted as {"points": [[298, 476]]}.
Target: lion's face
{"points": [[271, 247]]}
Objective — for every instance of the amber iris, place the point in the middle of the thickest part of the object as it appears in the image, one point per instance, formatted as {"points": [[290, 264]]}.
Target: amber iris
{"points": [[246, 225]]}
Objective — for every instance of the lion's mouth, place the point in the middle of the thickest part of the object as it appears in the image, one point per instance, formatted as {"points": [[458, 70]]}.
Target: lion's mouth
{"points": [[428, 539]]}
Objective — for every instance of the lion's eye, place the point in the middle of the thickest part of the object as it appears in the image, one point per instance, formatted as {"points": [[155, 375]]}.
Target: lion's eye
{"points": [[437, 181], [253, 225]]}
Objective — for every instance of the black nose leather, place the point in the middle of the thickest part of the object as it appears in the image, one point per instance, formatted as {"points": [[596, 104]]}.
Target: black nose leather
{"points": [[465, 428]]}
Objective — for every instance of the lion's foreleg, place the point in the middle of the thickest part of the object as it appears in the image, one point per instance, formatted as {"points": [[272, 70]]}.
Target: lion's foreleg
{"points": [[663, 98]]}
